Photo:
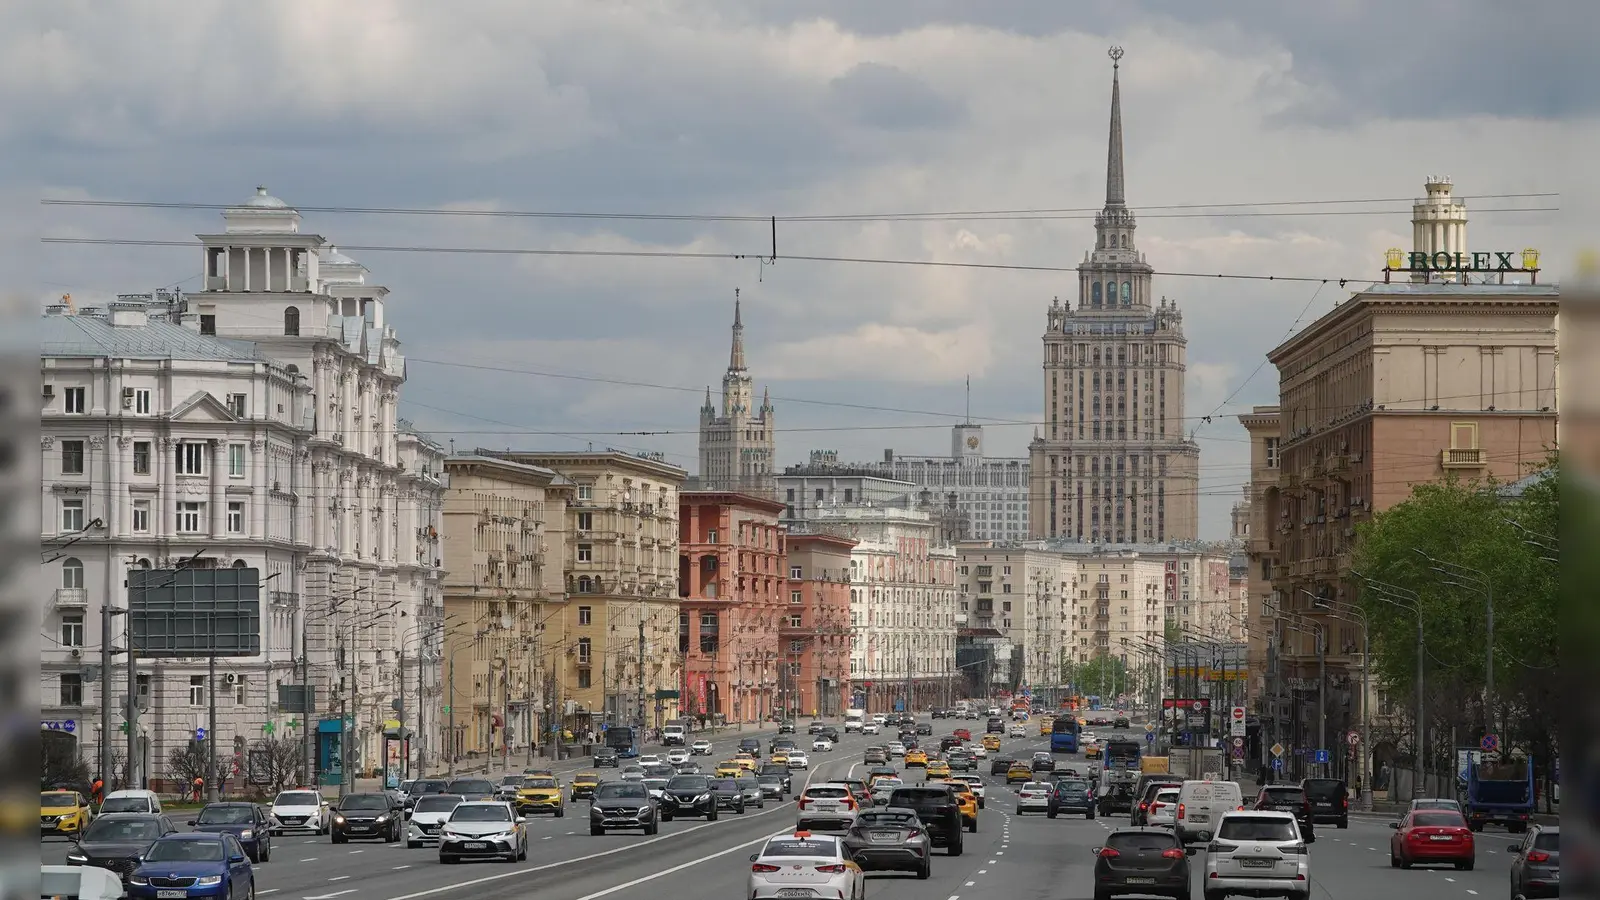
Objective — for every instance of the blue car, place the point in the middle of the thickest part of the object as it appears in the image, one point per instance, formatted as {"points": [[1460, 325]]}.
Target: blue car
{"points": [[245, 821], [194, 865]]}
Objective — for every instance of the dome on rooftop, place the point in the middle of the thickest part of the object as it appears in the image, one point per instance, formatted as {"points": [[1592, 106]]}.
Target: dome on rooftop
{"points": [[334, 258], [263, 200]]}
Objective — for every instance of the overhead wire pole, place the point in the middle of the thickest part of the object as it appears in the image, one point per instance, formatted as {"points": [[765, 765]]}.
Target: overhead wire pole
{"points": [[1408, 599]]}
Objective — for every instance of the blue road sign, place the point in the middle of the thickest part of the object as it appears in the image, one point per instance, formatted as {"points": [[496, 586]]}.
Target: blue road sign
{"points": [[1277, 764], [1149, 737], [1490, 743], [199, 734], [1321, 756]]}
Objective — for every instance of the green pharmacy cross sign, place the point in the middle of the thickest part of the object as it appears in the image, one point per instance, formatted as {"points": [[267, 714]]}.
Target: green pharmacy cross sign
{"points": [[269, 728]]}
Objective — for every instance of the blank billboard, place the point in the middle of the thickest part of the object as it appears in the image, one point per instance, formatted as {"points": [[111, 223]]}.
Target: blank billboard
{"points": [[195, 612]]}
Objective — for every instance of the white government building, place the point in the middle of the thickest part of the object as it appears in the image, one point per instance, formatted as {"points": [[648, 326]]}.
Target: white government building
{"points": [[254, 425]]}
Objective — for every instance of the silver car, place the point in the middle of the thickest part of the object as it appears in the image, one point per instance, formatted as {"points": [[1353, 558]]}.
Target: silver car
{"points": [[657, 788], [1258, 852], [750, 786], [483, 829], [428, 817]]}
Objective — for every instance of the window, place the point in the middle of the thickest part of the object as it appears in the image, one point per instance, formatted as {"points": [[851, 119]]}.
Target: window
{"points": [[585, 492], [794, 597], [235, 460], [585, 553], [585, 615], [796, 621], [72, 630], [71, 689], [1271, 445], [796, 572], [789, 495], [191, 458], [585, 521], [235, 517], [585, 678], [208, 323], [291, 321], [141, 402], [849, 495], [1463, 436], [240, 690], [75, 400], [237, 405], [711, 536], [141, 516], [189, 518], [72, 457], [197, 690], [141, 457], [583, 651], [72, 572], [72, 515]]}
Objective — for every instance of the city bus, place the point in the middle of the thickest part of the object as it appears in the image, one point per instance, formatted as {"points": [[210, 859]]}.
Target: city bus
{"points": [[1047, 725], [624, 739], [1064, 735]]}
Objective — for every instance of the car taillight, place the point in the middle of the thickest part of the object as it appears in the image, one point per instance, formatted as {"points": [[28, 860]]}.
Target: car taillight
{"points": [[1180, 810], [1241, 807], [831, 869], [1174, 853], [1344, 802], [804, 801], [851, 801], [913, 833], [763, 867], [1109, 853], [1143, 806], [1538, 856]]}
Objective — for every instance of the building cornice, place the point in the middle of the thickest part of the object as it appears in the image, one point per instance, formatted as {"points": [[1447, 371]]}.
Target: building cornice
{"points": [[1365, 306]]}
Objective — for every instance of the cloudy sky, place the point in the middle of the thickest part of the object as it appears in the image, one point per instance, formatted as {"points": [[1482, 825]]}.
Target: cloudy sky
{"points": [[790, 108]]}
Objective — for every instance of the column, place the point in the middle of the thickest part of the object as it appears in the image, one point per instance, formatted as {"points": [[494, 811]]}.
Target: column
{"points": [[166, 506], [219, 497], [246, 252], [117, 495], [260, 491]]}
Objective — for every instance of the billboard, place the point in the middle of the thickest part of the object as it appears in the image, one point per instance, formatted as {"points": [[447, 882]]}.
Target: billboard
{"points": [[194, 612]]}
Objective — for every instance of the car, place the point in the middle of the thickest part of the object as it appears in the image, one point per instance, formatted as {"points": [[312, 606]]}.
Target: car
{"points": [[786, 727], [1536, 863], [1163, 809], [214, 863], [63, 812], [822, 744], [963, 734], [750, 786], [1043, 762], [925, 728], [422, 787], [798, 760], [471, 788], [880, 719], [1087, 737], [750, 745], [995, 725], [131, 801], [936, 768], [1115, 797], [689, 796], [1092, 750], [882, 788], [1432, 836], [625, 804], [949, 742], [1289, 798], [991, 742], [728, 769], [897, 748], [817, 864], [968, 802], [1144, 789], [1018, 772], [1141, 861], [1034, 796], [656, 786], [974, 784], [301, 810], [428, 817], [700, 748], [937, 806], [1017, 731], [116, 841], [728, 794], [1201, 805], [875, 756], [1120, 722], [245, 821], [916, 758], [1072, 796], [869, 727], [1423, 803], [605, 756], [1256, 852], [782, 771], [1000, 765], [677, 756], [507, 789], [479, 829], [782, 743], [583, 785], [814, 728], [829, 806], [961, 759], [773, 786], [369, 815], [633, 773], [889, 840], [674, 735], [540, 794], [1330, 800]]}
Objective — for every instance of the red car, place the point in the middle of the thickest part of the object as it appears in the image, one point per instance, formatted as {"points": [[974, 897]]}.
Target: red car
{"points": [[1431, 836], [963, 733]]}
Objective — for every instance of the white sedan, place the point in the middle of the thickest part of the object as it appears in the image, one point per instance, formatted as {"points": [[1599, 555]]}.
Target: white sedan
{"points": [[677, 756], [798, 760], [880, 719], [1034, 796], [649, 759], [882, 788], [700, 748], [978, 752], [1018, 731], [822, 744], [869, 728], [806, 865], [897, 749]]}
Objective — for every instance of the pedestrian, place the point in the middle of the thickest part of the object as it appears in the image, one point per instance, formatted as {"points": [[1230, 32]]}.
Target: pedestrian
{"points": [[199, 787]]}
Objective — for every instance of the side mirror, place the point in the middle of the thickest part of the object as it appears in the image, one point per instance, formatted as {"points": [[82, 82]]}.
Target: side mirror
{"points": [[1395, 825], [236, 859], [522, 820], [193, 822], [754, 857]]}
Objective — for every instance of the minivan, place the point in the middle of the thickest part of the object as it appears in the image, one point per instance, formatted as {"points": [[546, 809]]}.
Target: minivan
{"points": [[131, 801], [1330, 800], [1201, 805]]}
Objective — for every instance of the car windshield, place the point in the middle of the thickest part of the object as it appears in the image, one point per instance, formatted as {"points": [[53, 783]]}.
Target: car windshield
{"points": [[364, 801], [1285, 795], [297, 798], [510, 779], [486, 812], [724, 784], [586, 777], [470, 786], [57, 800], [622, 790], [118, 831], [227, 815], [1141, 841], [531, 783], [437, 803], [772, 779], [698, 783], [827, 791], [125, 804], [888, 783], [188, 850], [1258, 828], [1072, 787], [797, 847], [428, 786], [1167, 795], [1439, 819]]}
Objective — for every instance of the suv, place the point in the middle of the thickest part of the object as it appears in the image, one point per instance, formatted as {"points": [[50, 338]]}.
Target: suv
{"points": [[996, 725], [1142, 861], [688, 795], [1330, 800], [1536, 862], [374, 815], [1290, 799], [1257, 853], [936, 805]]}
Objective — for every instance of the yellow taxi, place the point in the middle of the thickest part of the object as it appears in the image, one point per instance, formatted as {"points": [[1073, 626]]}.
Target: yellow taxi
{"points": [[968, 802], [540, 794], [745, 763], [729, 768], [1091, 750], [779, 758], [63, 812], [1019, 771], [583, 785], [991, 742], [936, 768], [915, 757]]}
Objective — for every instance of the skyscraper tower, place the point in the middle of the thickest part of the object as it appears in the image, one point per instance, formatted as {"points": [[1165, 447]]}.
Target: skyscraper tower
{"points": [[737, 448], [1113, 463]]}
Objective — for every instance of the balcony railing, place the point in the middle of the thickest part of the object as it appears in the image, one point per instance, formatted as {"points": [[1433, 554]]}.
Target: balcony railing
{"points": [[71, 598], [1463, 459]]}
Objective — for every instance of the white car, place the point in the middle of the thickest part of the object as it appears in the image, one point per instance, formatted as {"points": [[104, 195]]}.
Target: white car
{"points": [[649, 759], [1018, 731], [1033, 796], [798, 760], [657, 788], [869, 728], [428, 818], [1163, 811], [807, 865], [483, 829], [304, 811], [882, 788], [822, 744], [994, 711], [978, 752], [1086, 738], [880, 720], [897, 749], [700, 748], [1258, 852], [678, 756], [632, 773]]}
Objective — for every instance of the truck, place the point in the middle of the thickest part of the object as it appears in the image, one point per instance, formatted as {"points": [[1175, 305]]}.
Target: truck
{"points": [[1154, 765], [1196, 763], [853, 719], [1499, 792]]}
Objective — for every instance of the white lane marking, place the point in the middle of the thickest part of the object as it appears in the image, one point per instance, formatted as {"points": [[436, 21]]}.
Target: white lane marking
{"points": [[983, 871], [680, 867], [268, 891], [955, 897], [1471, 891], [549, 836], [572, 832], [353, 852], [999, 853], [969, 884], [309, 859], [332, 895], [991, 862], [1450, 879], [398, 868], [339, 878]]}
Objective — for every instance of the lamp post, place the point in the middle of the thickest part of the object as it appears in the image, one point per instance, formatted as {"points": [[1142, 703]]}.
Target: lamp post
{"points": [[1409, 600]]}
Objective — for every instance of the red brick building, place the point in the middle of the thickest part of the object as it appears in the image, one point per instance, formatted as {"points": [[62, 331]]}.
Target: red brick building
{"points": [[732, 581], [814, 635]]}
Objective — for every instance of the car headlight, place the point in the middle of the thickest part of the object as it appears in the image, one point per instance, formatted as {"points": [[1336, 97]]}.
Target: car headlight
{"points": [[138, 880], [644, 810], [208, 881], [383, 818], [338, 819], [246, 835], [702, 798]]}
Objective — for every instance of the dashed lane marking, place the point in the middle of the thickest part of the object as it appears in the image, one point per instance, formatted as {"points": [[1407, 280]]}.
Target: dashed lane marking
{"points": [[309, 859], [983, 871], [354, 852], [268, 891], [398, 868], [339, 878], [969, 884]]}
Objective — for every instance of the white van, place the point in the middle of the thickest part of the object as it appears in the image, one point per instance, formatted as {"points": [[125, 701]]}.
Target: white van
{"points": [[1200, 807], [673, 736], [131, 802], [853, 719]]}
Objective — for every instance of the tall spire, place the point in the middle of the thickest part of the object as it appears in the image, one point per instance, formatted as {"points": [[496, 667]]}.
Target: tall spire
{"points": [[1115, 189], [736, 356]]}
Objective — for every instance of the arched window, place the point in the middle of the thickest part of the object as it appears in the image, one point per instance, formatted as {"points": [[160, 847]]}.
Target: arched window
{"points": [[72, 572], [240, 564], [1094, 294], [144, 563], [584, 584], [291, 321], [1127, 293], [1124, 242]]}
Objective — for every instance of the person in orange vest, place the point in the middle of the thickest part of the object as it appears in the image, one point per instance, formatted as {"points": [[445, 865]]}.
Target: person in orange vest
{"points": [[97, 791], [199, 785]]}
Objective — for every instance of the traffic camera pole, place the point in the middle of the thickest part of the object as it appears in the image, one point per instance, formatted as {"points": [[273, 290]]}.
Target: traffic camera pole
{"points": [[211, 719], [106, 774]]}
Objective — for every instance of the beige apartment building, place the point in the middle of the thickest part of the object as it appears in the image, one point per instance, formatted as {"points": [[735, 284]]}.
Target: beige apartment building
{"points": [[1025, 595], [1261, 541], [620, 568], [504, 544]]}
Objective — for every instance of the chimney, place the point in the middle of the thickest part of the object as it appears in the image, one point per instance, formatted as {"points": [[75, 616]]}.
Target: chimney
{"points": [[888, 455], [130, 312]]}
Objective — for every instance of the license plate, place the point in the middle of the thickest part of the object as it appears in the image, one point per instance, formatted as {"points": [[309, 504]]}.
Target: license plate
{"points": [[794, 892], [1199, 818], [1440, 837], [1256, 863], [355, 828], [883, 838], [1139, 880], [173, 895], [476, 845]]}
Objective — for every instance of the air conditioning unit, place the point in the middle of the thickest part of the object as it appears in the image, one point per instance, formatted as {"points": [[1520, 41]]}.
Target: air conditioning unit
{"points": [[77, 653], [230, 679], [127, 398], [49, 391]]}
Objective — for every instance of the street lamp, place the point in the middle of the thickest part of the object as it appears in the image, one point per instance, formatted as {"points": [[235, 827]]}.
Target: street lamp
{"points": [[1407, 599]]}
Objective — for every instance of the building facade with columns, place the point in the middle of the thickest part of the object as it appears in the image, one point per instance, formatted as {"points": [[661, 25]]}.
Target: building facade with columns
{"points": [[815, 634], [733, 590]]}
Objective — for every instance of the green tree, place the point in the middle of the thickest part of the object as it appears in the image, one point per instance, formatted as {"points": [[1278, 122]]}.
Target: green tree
{"points": [[1102, 675], [1173, 632]]}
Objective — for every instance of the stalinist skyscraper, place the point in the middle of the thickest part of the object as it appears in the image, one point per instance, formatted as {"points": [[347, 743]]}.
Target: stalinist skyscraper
{"points": [[1113, 462], [737, 448]]}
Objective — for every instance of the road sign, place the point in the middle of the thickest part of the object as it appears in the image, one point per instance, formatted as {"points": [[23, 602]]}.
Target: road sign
{"points": [[1236, 724], [1237, 714], [1149, 727], [1197, 721], [1277, 765], [1320, 756], [1354, 738], [1238, 742], [1277, 750], [1238, 752], [1490, 743], [199, 734], [1149, 737]]}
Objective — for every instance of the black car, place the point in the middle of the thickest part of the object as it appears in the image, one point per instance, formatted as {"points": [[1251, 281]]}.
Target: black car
{"points": [[786, 727], [782, 743], [936, 805], [1330, 800], [831, 733], [606, 756], [996, 725], [924, 728], [375, 815], [1116, 797], [773, 785], [245, 821], [471, 788], [780, 770], [881, 841], [1141, 861], [1536, 863], [945, 743], [115, 841], [1072, 796], [688, 796], [1000, 765], [1120, 722], [623, 804], [1144, 793], [938, 714], [814, 728], [750, 745], [728, 794], [1043, 762], [1290, 799], [424, 786]]}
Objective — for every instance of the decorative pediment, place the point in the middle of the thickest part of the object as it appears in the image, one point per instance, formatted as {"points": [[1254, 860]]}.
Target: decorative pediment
{"points": [[202, 407]]}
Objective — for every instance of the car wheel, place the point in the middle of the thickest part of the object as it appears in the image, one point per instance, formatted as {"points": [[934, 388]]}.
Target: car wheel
{"points": [[412, 845], [1051, 814], [596, 830], [711, 816], [1405, 863], [666, 817], [1466, 866], [266, 852], [254, 855], [522, 855], [955, 848], [973, 827], [1089, 815], [652, 828], [926, 871], [1344, 823], [561, 812], [1394, 861], [338, 838], [446, 860]]}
